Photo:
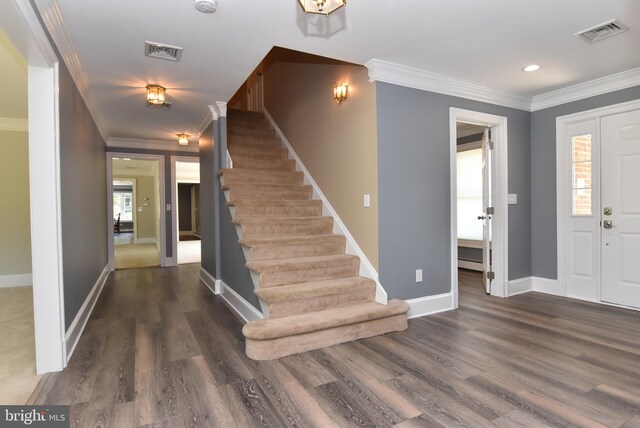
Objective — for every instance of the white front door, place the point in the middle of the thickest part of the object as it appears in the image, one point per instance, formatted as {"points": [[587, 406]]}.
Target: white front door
{"points": [[620, 157]]}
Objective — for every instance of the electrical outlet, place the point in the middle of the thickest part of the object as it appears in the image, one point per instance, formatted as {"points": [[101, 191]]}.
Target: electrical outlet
{"points": [[367, 200], [418, 275]]}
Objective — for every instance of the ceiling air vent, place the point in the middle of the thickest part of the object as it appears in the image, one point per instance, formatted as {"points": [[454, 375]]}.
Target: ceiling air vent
{"points": [[162, 51], [602, 31]]}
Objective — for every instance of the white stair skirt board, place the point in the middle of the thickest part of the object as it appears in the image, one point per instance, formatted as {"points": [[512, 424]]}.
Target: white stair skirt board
{"points": [[518, 286], [366, 268], [430, 305], [22, 280], [80, 321], [238, 304]]}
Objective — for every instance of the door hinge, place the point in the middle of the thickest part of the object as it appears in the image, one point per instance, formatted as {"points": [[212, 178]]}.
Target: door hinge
{"points": [[491, 275], [490, 145], [490, 210]]}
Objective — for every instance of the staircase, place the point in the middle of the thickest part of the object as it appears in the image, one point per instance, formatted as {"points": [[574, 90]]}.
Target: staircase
{"points": [[311, 290]]}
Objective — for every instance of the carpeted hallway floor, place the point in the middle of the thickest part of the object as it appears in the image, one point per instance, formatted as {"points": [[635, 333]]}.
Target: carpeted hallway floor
{"points": [[131, 256]]}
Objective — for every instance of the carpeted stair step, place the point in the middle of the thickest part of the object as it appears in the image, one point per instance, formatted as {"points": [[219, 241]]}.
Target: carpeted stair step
{"points": [[266, 164], [297, 246], [231, 176], [268, 191], [274, 338], [296, 299], [253, 141], [251, 208], [258, 152], [296, 270], [260, 131], [284, 226], [245, 114]]}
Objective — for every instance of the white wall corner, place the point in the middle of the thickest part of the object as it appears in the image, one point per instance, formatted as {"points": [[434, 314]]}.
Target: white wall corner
{"points": [[222, 108], [385, 71], [603, 85], [82, 317], [422, 306], [54, 21], [238, 304], [14, 124], [519, 286], [21, 280], [366, 268]]}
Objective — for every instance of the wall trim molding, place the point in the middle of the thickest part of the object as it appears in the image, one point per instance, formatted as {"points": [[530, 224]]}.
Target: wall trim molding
{"points": [[82, 317], [549, 286], [20, 280], [366, 268], [147, 241], [142, 144], [237, 303], [208, 280], [603, 85], [14, 124], [427, 305], [203, 124], [54, 21], [519, 286], [385, 71]]}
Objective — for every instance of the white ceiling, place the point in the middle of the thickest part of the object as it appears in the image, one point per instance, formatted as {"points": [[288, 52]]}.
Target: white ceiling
{"points": [[134, 167], [13, 81], [487, 42]]}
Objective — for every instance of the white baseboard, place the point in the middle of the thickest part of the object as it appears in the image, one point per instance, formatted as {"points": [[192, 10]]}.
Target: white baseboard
{"points": [[147, 241], [430, 305], [212, 284], [465, 264], [549, 286], [238, 304], [22, 280], [519, 286], [80, 321]]}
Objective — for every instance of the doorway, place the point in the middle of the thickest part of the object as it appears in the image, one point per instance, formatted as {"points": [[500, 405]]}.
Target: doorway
{"points": [[136, 217], [598, 170], [483, 217], [186, 218]]}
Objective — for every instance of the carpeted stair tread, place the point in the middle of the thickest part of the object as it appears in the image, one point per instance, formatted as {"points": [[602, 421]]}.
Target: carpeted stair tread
{"points": [[264, 164], [284, 220], [297, 263], [254, 227], [258, 152], [266, 186], [284, 247], [253, 176], [287, 240], [266, 329], [253, 141], [316, 289], [249, 208], [268, 191]]}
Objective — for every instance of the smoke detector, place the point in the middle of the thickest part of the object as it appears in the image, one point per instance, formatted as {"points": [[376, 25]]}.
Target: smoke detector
{"points": [[162, 51], [602, 31], [205, 6]]}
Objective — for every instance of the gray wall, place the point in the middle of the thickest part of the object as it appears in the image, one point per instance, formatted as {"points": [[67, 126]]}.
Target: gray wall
{"points": [[543, 181], [83, 197], [167, 183], [184, 207], [207, 209], [413, 176]]}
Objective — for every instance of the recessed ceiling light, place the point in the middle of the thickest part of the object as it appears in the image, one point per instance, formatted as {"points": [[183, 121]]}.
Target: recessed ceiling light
{"points": [[532, 67]]}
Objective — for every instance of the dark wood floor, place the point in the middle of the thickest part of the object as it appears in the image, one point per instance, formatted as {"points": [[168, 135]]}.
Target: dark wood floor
{"points": [[161, 351]]}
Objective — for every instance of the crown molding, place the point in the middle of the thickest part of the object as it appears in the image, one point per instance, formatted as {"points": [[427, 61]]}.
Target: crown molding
{"points": [[222, 108], [603, 85], [139, 144], [14, 124], [206, 120], [59, 31], [384, 71], [214, 112]]}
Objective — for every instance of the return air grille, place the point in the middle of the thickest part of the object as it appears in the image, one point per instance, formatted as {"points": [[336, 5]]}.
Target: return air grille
{"points": [[602, 31], [162, 51]]}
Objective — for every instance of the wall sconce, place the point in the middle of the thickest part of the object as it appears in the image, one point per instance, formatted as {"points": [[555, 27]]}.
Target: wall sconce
{"points": [[340, 91], [155, 96], [183, 139]]}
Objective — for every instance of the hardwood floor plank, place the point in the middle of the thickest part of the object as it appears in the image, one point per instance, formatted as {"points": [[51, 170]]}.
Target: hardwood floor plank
{"points": [[181, 344], [249, 398], [343, 406], [307, 370]]}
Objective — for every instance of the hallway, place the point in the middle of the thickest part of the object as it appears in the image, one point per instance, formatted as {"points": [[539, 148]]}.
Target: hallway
{"points": [[159, 350]]}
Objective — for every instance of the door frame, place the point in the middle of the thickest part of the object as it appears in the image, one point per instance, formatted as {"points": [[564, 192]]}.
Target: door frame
{"points": [[174, 205], [499, 188], [162, 206], [562, 192]]}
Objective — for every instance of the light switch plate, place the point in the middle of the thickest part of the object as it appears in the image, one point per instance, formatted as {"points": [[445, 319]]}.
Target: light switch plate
{"points": [[512, 198], [168, 207], [367, 200], [418, 275]]}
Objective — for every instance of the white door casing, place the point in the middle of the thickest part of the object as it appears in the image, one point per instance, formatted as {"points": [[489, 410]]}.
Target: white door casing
{"points": [[620, 158], [487, 155]]}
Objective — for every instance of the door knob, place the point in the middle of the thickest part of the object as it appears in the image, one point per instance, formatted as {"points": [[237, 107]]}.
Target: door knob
{"points": [[607, 224]]}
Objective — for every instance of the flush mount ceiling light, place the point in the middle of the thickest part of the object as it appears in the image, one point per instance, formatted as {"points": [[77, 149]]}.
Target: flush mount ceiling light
{"points": [[321, 7], [183, 139], [340, 91], [205, 6], [532, 67], [156, 97]]}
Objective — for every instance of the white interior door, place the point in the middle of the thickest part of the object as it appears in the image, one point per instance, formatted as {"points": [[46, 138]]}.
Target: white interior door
{"points": [[620, 158], [487, 271]]}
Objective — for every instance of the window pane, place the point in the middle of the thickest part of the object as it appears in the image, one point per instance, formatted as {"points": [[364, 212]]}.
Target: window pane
{"points": [[582, 175], [581, 146], [469, 175], [582, 202]]}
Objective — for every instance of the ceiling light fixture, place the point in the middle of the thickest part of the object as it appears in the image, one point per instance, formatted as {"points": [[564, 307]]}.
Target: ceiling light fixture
{"points": [[183, 139], [321, 7], [205, 6], [156, 96], [532, 67], [340, 91]]}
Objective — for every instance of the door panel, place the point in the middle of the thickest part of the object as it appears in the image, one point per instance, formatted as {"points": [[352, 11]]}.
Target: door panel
{"points": [[620, 192], [486, 203]]}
